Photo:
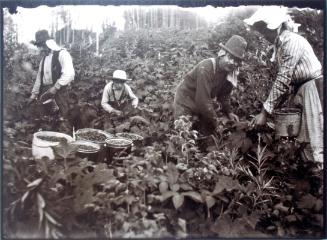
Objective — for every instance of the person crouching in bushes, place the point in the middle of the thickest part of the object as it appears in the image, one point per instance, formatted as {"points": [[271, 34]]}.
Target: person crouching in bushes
{"points": [[118, 98], [211, 78]]}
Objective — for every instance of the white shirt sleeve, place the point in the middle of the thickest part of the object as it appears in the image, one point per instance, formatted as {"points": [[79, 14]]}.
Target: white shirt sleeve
{"points": [[130, 93], [67, 69], [105, 98], [37, 84]]}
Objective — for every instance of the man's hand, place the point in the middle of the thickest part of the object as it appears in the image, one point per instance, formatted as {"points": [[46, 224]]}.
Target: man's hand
{"points": [[117, 112], [52, 90], [233, 117], [48, 94], [31, 100]]}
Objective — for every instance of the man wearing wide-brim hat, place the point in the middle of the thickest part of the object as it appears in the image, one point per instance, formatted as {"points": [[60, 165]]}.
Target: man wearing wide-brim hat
{"points": [[118, 95], [299, 77], [211, 78], [55, 73]]}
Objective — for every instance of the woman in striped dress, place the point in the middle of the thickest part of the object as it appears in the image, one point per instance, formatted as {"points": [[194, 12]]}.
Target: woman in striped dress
{"points": [[298, 69]]}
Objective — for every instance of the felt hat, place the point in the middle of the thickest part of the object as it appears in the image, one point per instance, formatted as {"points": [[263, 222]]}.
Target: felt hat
{"points": [[41, 37], [236, 46]]}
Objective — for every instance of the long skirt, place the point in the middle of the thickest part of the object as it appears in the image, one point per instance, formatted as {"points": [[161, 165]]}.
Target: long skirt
{"points": [[310, 98]]}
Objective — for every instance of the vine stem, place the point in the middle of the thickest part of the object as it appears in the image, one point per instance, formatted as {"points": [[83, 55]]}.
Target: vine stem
{"points": [[65, 163]]}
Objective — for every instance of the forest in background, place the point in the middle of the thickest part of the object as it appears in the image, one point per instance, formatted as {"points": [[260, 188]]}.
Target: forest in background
{"points": [[173, 185]]}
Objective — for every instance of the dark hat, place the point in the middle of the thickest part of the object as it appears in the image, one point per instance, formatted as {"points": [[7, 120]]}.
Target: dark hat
{"points": [[41, 37], [236, 46]]}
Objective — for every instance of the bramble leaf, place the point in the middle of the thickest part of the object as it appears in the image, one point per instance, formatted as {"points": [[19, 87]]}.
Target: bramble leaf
{"points": [[178, 200], [225, 182], [194, 195]]}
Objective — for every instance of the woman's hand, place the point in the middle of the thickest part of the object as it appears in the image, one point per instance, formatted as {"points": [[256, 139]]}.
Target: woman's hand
{"points": [[134, 104], [260, 119]]}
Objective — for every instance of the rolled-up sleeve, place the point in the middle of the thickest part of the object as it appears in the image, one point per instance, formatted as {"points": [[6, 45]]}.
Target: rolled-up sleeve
{"points": [[289, 55], [130, 93], [67, 69], [105, 98], [37, 83]]}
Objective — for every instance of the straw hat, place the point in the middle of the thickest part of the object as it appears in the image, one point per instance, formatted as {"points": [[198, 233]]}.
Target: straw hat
{"points": [[273, 16], [120, 75]]}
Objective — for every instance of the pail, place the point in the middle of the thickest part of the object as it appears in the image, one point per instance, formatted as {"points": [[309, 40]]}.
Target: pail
{"points": [[43, 142], [87, 150], [118, 147], [95, 136], [137, 139], [287, 122]]}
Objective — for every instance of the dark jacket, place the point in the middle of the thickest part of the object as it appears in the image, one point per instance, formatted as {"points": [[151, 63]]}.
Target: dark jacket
{"points": [[199, 87]]}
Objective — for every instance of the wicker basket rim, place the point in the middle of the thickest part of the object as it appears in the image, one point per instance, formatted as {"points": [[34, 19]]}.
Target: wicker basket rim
{"points": [[128, 141]]}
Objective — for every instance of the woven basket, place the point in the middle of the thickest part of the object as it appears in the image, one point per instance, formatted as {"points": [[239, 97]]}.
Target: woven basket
{"points": [[287, 122]]}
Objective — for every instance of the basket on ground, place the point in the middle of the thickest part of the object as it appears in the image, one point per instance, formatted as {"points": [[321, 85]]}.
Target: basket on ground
{"points": [[43, 142], [137, 139], [118, 147], [95, 136], [87, 150]]}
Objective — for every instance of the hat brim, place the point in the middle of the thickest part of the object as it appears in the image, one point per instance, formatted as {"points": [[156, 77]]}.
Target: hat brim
{"points": [[120, 79], [52, 45], [38, 44], [231, 52]]}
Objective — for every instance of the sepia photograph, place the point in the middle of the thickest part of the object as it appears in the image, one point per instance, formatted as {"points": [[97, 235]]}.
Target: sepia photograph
{"points": [[163, 121]]}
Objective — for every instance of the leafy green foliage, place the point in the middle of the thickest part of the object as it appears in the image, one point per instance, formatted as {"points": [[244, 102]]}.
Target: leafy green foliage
{"points": [[240, 182]]}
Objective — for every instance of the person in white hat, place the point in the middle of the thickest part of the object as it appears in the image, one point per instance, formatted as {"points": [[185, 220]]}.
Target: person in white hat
{"points": [[117, 94], [299, 75], [55, 73]]}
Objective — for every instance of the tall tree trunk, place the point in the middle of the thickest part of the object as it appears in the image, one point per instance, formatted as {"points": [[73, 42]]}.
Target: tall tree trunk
{"points": [[69, 28], [97, 43], [56, 29], [153, 24], [134, 18], [138, 18], [164, 18], [67, 35], [172, 20], [144, 18]]}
